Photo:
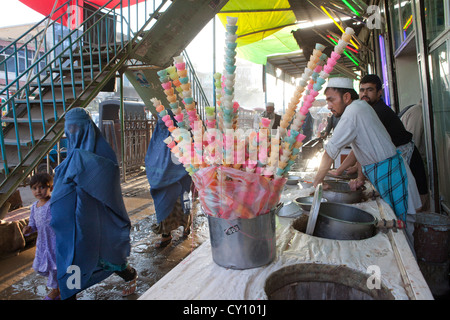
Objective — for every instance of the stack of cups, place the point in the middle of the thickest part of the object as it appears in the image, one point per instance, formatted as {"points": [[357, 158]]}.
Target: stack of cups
{"points": [[218, 90], [210, 117], [229, 110], [218, 85]]}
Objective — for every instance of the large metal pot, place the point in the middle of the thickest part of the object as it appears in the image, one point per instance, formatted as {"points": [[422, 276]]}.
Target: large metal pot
{"points": [[243, 243], [344, 222], [340, 192]]}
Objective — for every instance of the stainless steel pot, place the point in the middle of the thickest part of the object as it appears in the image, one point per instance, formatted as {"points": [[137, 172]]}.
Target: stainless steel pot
{"points": [[340, 192], [344, 222]]}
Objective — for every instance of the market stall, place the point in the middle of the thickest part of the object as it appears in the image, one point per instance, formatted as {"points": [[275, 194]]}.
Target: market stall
{"points": [[304, 258], [255, 252]]}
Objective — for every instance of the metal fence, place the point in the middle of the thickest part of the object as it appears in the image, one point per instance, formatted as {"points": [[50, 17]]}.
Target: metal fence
{"points": [[137, 134]]}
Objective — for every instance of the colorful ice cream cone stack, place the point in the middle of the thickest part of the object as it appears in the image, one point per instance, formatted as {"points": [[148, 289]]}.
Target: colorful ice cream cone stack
{"points": [[260, 153], [318, 78], [289, 137], [295, 100], [182, 81], [210, 117], [162, 112], [218, 85], [159, 107], [229, 112], [165, 76], [181, 71]]}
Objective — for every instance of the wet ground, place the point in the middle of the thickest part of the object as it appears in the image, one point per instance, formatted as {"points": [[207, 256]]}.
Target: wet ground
{"points": [[18, 281]]}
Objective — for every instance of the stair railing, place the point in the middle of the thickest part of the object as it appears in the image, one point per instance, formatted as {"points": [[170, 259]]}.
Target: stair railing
{"points": [[197, 88], [65, 45]]}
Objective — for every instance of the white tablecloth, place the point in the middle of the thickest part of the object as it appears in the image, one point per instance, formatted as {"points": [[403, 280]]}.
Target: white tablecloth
{"points": [[198, 277]]}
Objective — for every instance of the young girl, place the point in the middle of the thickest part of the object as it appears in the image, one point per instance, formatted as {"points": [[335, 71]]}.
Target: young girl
{"points": [[44, 262]]}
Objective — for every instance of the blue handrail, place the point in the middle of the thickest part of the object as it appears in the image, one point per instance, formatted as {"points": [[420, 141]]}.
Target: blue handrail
{"points": [[66, 50], [60, 46]]}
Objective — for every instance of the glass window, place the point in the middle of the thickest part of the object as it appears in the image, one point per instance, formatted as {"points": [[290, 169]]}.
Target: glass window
{"points": [[11, 64], [395, 18], [21, 60], [434, 18], [406, 23], [440, 93]]}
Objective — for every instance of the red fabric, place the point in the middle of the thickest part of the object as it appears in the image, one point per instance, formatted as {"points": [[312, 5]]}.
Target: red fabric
{"points": [[45, 7], [67, 6]]}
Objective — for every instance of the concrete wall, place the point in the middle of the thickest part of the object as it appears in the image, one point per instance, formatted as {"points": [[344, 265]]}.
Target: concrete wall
{"points": [[407, 74]]}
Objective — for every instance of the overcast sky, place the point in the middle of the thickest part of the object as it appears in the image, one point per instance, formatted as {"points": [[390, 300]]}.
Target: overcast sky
{"points": [[14, 12]]}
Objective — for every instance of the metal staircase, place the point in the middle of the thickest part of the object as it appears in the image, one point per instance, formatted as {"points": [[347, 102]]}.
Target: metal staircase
{"points": [[67, 67]]}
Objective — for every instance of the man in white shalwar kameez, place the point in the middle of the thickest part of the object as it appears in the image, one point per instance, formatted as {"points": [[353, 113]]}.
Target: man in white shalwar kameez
{"points": [[360, 127]]}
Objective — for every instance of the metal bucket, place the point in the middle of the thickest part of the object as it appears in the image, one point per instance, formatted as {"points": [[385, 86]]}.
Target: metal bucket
{"points": [[432, 237], [243, 243]]}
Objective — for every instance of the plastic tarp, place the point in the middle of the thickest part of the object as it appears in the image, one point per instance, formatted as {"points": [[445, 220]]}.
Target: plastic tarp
{"points": [[280, 42], [263, 29]]}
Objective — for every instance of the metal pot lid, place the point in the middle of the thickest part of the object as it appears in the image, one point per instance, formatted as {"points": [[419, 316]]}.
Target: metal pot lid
{"points": [[314, 212]]}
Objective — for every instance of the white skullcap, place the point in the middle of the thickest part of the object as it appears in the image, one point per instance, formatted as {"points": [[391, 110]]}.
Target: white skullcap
{"points": [[338, 82], [270, 104]]}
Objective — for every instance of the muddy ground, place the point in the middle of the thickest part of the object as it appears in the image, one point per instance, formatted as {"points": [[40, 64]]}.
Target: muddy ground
{"points": [[22, 283]]}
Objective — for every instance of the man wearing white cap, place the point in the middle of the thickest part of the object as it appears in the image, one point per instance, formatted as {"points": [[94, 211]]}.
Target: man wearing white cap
{"points": [[360, 127], [270, 114]]}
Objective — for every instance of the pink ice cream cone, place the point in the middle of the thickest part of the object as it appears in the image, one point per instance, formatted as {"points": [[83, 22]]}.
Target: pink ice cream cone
{"points": [[328, 69], [166, 85], [335, 56]]}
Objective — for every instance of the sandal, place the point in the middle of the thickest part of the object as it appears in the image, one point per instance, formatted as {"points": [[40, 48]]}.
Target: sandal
{"points": [[53, 295], [163, 243], [130, 287]]}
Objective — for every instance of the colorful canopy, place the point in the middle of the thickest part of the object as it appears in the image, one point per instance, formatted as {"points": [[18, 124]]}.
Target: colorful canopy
{"points": [[264, 27]]}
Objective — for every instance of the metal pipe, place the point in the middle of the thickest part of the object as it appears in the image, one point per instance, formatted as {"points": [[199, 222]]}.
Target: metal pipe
{"points": [[122, 129], [36, 53]]}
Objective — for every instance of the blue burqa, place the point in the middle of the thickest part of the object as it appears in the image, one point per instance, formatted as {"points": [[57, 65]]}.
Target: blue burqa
{"points": [[168, 180], [88, 213]]}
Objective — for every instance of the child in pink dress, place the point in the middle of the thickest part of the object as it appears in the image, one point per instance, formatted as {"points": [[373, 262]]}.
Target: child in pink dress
{"points": [[44, 262]]}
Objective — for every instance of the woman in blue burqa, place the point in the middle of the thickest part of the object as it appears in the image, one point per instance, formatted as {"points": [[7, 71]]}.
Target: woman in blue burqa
{"points": [[169, 187], [88, 213]]}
